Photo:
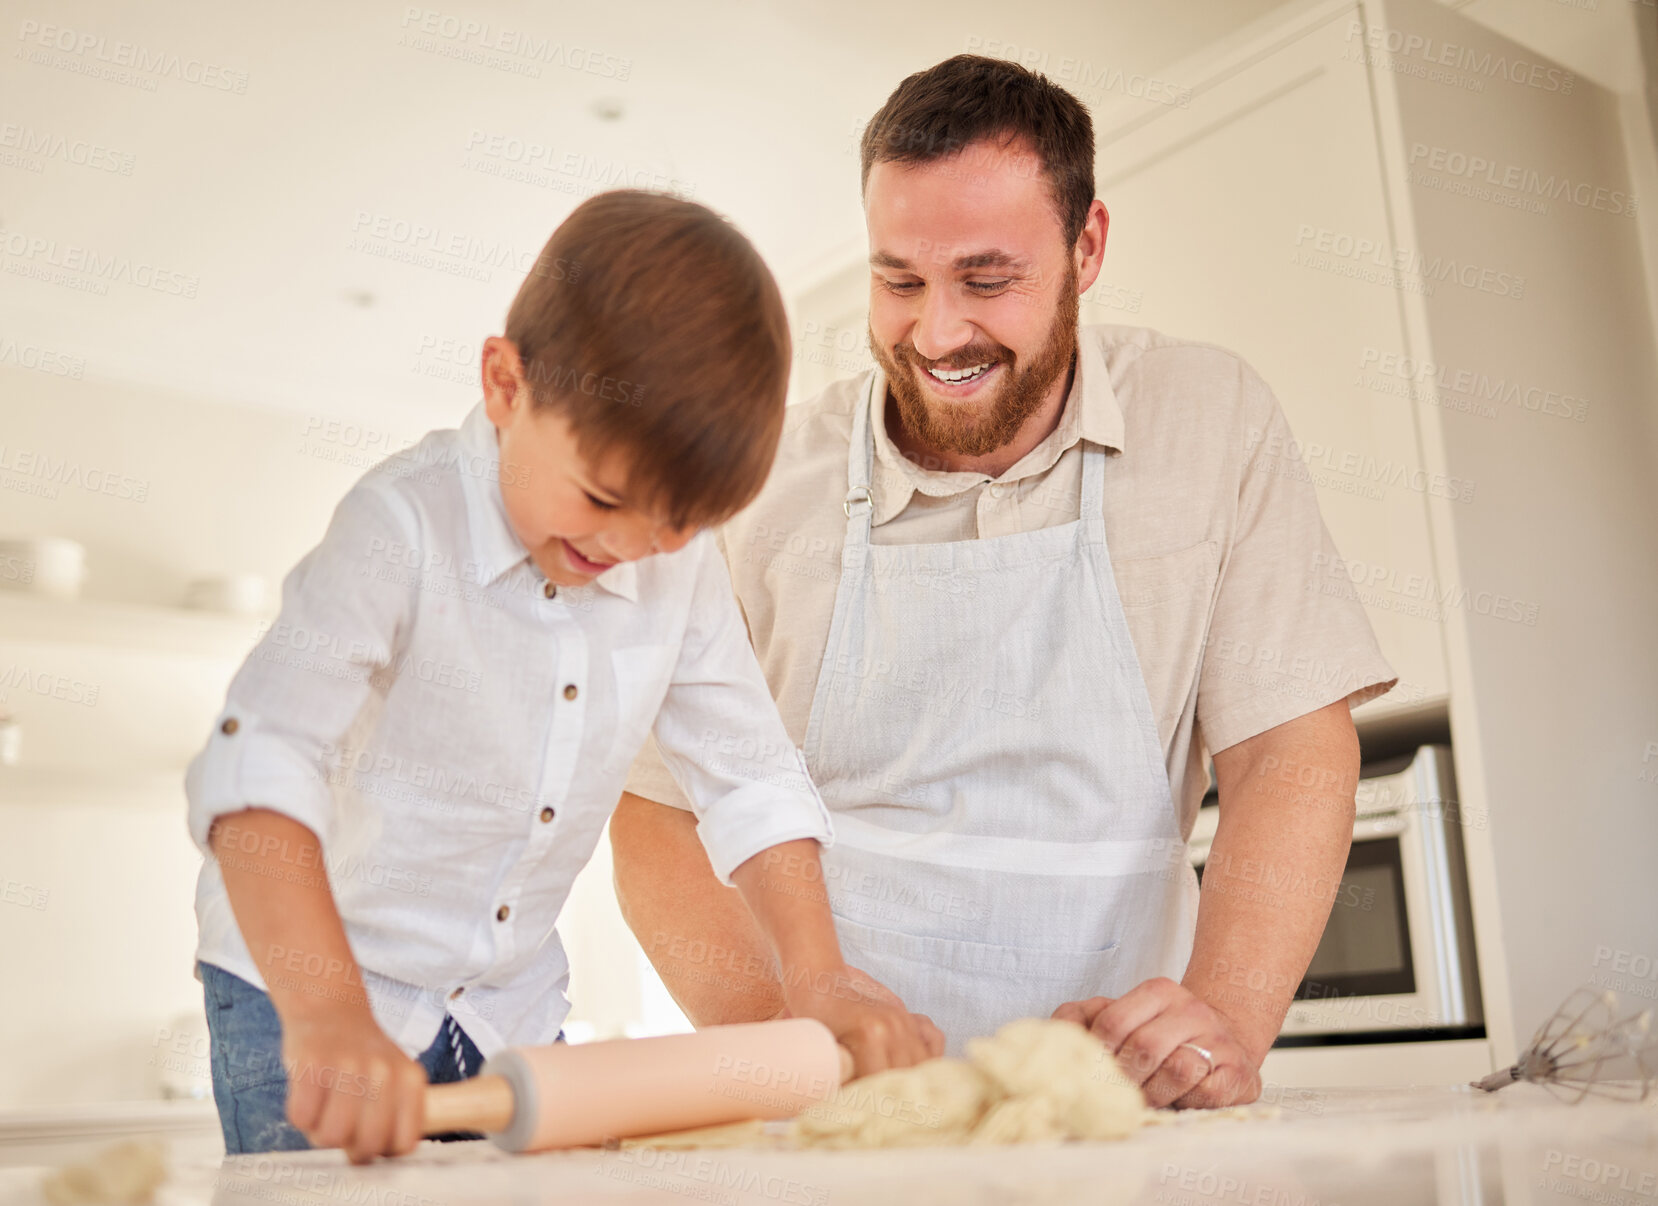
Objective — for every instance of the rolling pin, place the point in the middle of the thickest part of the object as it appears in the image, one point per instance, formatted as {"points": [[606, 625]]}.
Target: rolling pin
{"points": [[529, 1099]]}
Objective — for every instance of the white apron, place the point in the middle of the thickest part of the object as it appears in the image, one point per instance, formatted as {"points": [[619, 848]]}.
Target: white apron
{"points": [[1005, 840]]}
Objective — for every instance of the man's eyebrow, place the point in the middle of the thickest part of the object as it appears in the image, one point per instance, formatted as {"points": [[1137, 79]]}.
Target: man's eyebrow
{"points": [[993, 258]]}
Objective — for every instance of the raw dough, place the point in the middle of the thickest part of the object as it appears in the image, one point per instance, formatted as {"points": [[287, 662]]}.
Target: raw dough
{"points": [[1037, 1081], [939, 1101], [119, 1174]]}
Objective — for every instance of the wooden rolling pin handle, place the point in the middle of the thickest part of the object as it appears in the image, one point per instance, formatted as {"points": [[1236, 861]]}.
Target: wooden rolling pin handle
{"points": [[484, 1103]]}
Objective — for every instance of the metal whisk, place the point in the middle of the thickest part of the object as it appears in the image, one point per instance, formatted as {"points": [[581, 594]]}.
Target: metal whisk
{"points": [[1586, 1047]]}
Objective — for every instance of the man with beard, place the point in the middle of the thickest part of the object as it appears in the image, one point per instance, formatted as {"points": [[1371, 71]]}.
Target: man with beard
{"points": [[1007, 589]]}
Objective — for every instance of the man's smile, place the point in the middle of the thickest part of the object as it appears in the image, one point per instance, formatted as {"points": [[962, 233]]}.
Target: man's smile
{"points": [[962, 382]]}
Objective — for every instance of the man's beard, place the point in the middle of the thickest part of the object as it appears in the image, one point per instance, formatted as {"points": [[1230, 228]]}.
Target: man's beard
{"points": [[981, 426]]}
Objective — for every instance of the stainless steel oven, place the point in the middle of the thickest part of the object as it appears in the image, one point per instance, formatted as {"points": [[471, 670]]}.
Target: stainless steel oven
{"points": [[1397, 958]]}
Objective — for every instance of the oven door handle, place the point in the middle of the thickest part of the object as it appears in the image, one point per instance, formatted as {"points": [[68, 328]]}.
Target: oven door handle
{"points": [[1390, 824]]}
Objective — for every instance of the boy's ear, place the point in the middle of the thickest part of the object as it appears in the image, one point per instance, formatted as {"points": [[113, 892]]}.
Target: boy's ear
{"points": [[505, 388]]}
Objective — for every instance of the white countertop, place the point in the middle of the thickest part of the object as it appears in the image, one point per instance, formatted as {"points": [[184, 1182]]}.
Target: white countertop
{"points": [[1323, 1147]]}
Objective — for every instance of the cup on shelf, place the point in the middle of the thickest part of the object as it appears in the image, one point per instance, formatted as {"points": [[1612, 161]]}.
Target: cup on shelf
{"points": [[233, 594], [11, 739], [43, 565]]}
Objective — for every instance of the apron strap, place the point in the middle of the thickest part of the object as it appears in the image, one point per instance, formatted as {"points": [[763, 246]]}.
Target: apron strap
{"points": [[1093, 493], [860, 456]]}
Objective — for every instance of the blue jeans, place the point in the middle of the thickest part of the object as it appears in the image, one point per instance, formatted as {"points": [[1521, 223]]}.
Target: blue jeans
{"points": [[250, 1085]]}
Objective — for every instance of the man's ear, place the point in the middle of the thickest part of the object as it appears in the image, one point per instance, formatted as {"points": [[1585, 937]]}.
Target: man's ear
{"points": [[1090, 245], [502, 370]]}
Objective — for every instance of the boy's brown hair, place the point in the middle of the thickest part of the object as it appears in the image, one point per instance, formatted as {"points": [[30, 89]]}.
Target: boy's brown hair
{"points": [[653, 327], [940, 111]]}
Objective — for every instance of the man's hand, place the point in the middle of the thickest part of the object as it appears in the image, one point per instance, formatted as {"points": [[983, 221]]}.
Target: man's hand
{"points": [[350, 1086], [1145, 1029], [865, 1016]]}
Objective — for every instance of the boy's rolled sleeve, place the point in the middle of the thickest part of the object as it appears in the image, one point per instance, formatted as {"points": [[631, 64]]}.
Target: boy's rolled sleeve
{"points": [[719, 736], [303, 685]]}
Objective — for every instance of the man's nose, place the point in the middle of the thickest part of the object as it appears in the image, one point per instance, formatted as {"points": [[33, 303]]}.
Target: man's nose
{"points": [[941, 327]]}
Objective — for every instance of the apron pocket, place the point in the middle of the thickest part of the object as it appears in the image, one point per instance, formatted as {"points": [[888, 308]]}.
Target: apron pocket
{"points": [[974, 988], [958, 954]]}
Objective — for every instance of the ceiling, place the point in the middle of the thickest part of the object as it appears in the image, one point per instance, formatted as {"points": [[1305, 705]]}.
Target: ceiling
{"points": [[339, 195]]}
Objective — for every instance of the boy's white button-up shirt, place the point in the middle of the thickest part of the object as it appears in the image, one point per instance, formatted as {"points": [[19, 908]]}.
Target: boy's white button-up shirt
{"points": [[457, 732]]}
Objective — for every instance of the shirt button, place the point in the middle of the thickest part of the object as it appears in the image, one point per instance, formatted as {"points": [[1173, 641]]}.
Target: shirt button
{"points": [[548, 590], [570, 691], [546, 815], [229, 727], [502, 913]]}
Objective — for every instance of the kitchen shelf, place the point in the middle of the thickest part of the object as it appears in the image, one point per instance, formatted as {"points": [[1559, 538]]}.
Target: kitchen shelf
{"points": [[35, 619]]}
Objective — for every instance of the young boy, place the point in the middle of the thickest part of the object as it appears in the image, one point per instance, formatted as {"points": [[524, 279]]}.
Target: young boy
{"points": [[423, 750]]}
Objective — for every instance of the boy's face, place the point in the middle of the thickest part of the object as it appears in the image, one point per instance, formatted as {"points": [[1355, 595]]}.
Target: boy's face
{"points": [[570, 514]]}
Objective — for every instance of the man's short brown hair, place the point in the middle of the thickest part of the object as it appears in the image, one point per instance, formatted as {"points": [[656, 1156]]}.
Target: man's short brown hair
{"points": [[940, 111], [655, 329]]}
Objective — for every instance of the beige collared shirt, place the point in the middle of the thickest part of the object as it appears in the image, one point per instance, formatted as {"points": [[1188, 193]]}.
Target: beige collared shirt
{"points": [[1219, 555]]}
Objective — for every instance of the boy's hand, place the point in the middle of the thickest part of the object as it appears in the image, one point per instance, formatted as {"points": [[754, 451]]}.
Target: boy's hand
{"points": [[350, 1086], [784, 888], [866, 1018]]}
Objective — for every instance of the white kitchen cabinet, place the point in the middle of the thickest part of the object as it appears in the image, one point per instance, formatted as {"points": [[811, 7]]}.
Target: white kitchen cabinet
{"points": [[1218, 210], [1425, 237]]}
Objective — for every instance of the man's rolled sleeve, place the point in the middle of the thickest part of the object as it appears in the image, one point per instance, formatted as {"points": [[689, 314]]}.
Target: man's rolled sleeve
{"points": [[721, 740], [302, 687], [1286, 637]]}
